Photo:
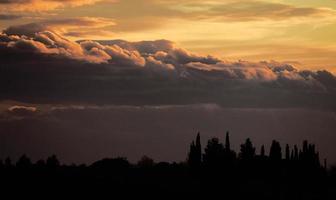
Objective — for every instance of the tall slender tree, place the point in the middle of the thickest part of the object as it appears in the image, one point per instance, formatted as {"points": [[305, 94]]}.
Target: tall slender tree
{"points": [[262, 151], [287, 152], [195, 152], [275, 151], [296, 153], [198, 149], [227, 142]]}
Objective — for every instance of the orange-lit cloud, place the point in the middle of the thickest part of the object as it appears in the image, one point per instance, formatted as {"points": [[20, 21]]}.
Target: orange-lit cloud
{"points": [[149, 72], [41, 5], [78, 26], [21, 111]]}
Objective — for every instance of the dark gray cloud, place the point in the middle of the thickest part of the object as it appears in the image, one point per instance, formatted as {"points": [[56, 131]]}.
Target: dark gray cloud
{"points": [[9, 16], [40, 66], [15, 1]]}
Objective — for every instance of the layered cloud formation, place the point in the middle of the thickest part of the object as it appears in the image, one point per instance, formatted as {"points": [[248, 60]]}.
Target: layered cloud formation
{"points": [[41, 66]]}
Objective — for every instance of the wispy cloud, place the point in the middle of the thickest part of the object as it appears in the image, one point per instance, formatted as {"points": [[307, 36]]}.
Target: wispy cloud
{"points": [[78, 26], [41, 5]]}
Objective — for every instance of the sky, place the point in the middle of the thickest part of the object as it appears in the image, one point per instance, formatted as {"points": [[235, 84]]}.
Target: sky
{"points": [[87, 79], [298, 31]]}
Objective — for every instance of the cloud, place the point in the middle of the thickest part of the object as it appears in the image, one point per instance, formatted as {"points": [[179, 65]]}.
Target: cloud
{"points": [[41, 5], [45, 67], [9, 17], [21, 110], [78, 26], [261, 10], [148, 14]]}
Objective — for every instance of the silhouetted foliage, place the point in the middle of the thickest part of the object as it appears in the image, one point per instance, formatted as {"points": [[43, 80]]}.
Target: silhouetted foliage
{"points": [[195, 152], [287, 152], [23, 162], [8, 162], [262, 151], [146, 161], [214, 153], [298, 176], [227, 142], [52, 162], [247, 151], [275, 151]]}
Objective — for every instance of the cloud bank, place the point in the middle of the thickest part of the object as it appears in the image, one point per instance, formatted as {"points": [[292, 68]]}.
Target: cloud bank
{"points": [[41, 66]]}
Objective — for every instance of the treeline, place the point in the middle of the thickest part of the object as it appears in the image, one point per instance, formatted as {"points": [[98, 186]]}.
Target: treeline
{"points": [[217, 154], [289, 173]]}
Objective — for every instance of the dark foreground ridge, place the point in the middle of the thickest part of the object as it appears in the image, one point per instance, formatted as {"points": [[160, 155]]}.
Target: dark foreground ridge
{"points": [[217, 171]]}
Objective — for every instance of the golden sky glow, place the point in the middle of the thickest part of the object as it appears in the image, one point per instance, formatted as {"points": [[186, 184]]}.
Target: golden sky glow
{"points": [[298, 31]]}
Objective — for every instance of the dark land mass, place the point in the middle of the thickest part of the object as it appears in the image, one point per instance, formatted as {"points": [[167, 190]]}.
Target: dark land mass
{"points": [[213, 172]]}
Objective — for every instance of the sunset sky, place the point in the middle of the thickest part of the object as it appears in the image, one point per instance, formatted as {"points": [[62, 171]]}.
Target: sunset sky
{"points": [[91, 78], [296, 31]]}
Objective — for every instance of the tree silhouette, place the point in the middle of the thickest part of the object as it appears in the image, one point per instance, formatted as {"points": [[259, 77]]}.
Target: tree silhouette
{"points": [[8, 162], [300, 175], [146, 161], [296, 153], [275, 151], [52, 162], [40, 163], [262, 151], [247, 151], [229, 154], [227, 142], [195, 152], [214, 153], [198, 149], [287, 152], [23, 162]]}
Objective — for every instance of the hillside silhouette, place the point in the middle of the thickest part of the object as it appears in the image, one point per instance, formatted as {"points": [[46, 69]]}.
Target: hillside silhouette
{"points": [[212, 171]]}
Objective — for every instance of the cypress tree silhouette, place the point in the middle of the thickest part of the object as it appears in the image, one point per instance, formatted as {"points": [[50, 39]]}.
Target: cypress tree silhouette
{"points": [[287, 152], [247, 151], [195, 152], [229, 155], [192, 153], [198, 149], [262, 151], [275, 151], [305, 146], [296, 153], [227, 142]]}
